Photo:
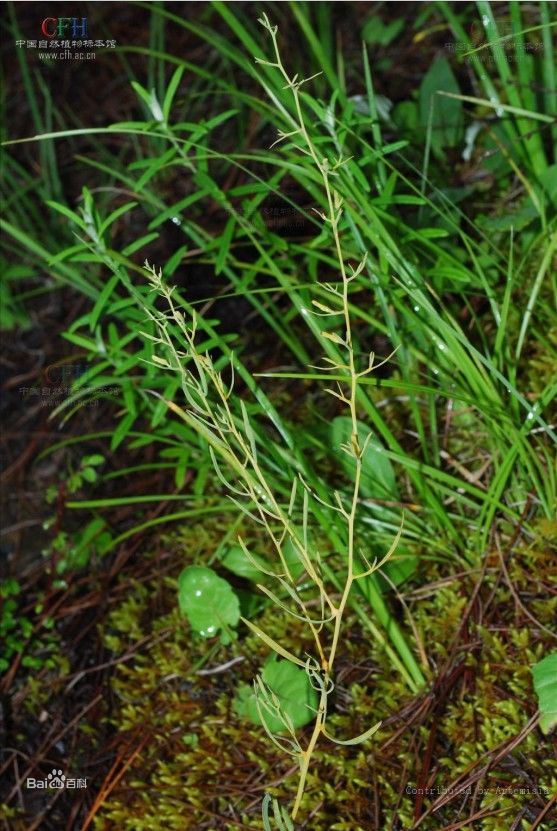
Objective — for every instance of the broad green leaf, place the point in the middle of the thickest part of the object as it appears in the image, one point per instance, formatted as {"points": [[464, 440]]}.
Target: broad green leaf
{"points": [[517, 220], [378, 476], [293, 559], [236, 561], [291, 684], [377, 32], [208, 601], [190, 739], [406, 116], [545, 685], [447, 117], [89, 474], [95, 459]]}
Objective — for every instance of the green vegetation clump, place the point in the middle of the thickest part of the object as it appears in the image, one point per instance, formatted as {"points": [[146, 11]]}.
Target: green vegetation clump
{"points": [[201, 762], [37, 645], [337, 225]]}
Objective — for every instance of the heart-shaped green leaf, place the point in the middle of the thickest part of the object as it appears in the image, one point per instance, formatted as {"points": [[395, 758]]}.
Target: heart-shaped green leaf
{"points": [[446, 114], [208, 601], [291, 684], [545, 685]]}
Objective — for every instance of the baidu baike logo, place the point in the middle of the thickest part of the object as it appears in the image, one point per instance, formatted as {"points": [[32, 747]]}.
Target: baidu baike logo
{"points": [[56, 780]]}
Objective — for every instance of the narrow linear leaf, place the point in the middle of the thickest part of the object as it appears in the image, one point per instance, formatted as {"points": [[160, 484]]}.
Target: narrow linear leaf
{"points": [[102, 301], [276, 647], [68, 213], [171, 91], [225, 245], [358, 739], [112, 217]]}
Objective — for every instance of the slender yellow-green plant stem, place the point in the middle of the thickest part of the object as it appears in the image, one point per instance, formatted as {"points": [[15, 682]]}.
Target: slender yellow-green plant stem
{"points": [[334, 204], [231, 437]]}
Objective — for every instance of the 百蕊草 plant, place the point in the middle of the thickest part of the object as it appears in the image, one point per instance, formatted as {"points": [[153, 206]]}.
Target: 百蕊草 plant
{"points": [[235, 445], [223, 420], [225, 424]]}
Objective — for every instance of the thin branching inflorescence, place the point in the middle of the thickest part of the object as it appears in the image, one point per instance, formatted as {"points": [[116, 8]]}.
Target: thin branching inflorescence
{"points": [[222, 420]]}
